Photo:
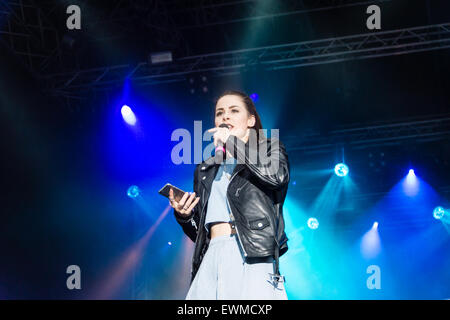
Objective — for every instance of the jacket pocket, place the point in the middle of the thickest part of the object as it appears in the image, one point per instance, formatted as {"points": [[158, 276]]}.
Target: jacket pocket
{"points": [[258, 224], [240, 188]]}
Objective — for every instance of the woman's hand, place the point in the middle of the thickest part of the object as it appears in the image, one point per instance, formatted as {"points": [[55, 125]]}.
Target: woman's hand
{"points": [[220, 134], [185, 205]]}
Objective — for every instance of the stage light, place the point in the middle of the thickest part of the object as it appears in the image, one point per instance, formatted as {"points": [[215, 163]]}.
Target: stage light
{"points": [[161, 57], [169, 243], [133, 191], [254, 97], [313, 223], [411, 184], [438, 213], [341, 170], [370, 245], [128, 115]]}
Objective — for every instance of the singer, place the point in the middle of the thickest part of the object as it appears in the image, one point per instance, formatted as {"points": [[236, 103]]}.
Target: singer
{"points": [[235, 214]]}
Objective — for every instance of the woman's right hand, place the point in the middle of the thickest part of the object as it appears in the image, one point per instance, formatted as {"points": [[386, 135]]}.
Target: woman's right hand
{"points": [[186, 203]]}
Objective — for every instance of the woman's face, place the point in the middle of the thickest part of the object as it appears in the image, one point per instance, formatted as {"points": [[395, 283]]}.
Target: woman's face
{"points": [[230, 109]]}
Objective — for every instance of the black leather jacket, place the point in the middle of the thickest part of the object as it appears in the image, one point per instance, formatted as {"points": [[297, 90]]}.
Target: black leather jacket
{"points": [[256, 195]]}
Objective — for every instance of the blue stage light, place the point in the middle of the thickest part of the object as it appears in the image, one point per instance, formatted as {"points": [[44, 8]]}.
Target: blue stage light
{"points": [[411, 184], [438, 213], [254, 97], [341, 170], [169, 243], [133, 191], [128, 115], [370, 242], [313, 223]]}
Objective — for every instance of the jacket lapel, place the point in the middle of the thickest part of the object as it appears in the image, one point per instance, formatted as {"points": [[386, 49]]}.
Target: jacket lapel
{"points": [[208, 171]]}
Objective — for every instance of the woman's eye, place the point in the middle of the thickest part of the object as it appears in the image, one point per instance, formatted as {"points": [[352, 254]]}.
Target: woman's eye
{"points": [[218, 114], [235, 110]]}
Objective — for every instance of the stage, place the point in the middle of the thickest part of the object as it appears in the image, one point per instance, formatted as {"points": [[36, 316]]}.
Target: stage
{"points": [[105, 102]]}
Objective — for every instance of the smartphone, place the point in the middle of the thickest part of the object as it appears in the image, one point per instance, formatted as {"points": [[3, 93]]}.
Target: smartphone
{"points": [[177, 192]]}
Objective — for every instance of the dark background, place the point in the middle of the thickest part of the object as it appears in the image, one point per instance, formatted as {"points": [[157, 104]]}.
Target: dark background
{"points": [[63, 198]]}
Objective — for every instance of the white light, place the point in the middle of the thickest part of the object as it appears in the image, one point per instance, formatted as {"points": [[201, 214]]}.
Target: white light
{"points": [[370, 244], [411, 184], [438, 213], [313, 223], [128, 115], [341, 170]]}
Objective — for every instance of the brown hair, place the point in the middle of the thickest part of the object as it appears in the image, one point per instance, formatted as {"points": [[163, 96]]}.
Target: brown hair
{"points": [[251, 109]]}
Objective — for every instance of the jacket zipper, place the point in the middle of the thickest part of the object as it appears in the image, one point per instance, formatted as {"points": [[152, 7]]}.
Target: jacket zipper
{"points": [[201, 216], [201, 221], [239, 189], [234, 221], [194, 224]]}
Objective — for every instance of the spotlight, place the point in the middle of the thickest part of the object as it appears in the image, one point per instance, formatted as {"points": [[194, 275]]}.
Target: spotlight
{"points": [[254, 97], [438, 213], [313, 223], [370, 242], [411, 184], [169, 243], [128, 115], [341, 170], [133, 191]]}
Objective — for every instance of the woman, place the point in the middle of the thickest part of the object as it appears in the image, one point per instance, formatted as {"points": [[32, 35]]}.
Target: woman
{"points": [[234, 215]]}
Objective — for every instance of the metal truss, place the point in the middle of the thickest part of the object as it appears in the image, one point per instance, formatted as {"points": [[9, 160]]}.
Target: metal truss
{"points": [[269, 58], [212, 12], [123, 17], [26, 30], [371, 136]]}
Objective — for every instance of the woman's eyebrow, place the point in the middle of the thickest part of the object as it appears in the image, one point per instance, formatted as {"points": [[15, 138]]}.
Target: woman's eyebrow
{"points": [[230, 107]]}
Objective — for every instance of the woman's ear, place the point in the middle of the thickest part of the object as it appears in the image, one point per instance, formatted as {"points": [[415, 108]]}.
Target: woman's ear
{"points": [[251, 121]]}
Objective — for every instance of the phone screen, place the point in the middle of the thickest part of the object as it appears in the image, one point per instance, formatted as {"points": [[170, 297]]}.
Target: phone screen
{"points": [[177, 192]]}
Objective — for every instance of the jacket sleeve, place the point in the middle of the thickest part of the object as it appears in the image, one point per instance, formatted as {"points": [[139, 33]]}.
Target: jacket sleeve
{"points": [[190, 224], [269, 163]]}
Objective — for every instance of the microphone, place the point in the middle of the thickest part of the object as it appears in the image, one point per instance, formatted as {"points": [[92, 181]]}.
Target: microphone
{"points": [[220, 149]]}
